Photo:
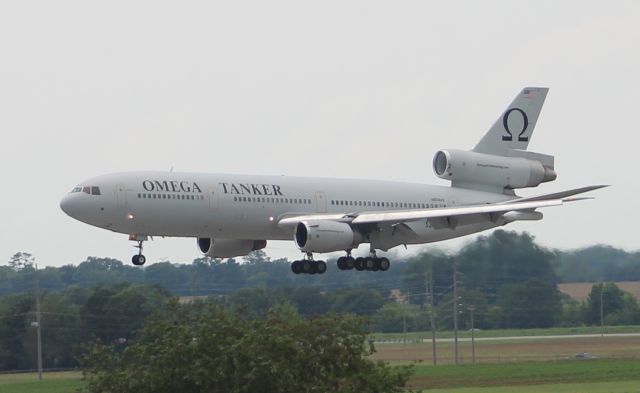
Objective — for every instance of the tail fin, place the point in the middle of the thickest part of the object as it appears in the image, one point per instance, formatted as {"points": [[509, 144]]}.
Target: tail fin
{"points": [[512, 130]]}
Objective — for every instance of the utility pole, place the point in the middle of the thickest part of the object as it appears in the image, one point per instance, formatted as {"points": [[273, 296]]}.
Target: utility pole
{"points": [[473, 334], [455, 310], [38, 326], [432, 317], [404, 320], [602, 309]]}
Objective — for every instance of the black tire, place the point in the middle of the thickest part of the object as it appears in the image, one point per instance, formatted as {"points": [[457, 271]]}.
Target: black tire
{"points": [[296, 267], [349, 263], [134, 259], [359, 264], [141, 259], [376, 265], [307, 266], [341, 263], [384, 264], [321, 267], [369, 263]]}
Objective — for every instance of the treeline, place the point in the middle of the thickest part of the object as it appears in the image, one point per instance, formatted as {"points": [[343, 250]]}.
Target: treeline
{"points": [[494, 260], [74, 319], [506, 278]]}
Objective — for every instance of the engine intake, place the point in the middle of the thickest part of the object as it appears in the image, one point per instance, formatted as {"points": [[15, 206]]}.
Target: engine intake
{"points": [[323, 236], [468, 167], [227, 248]]}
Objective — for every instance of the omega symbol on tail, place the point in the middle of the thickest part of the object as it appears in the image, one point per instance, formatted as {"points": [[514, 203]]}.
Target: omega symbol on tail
{"points": [[505, 122]]}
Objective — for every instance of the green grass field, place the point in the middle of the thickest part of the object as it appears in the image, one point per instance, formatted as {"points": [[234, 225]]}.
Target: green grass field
{"points": [[57, 382], [592, 376], [600, 387], [526, 374]]}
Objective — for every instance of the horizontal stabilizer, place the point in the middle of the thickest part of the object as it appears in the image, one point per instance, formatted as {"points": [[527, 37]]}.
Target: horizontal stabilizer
{"points": [[561, 195]]}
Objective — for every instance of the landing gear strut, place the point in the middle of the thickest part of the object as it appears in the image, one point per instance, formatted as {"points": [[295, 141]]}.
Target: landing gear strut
{"points": [[138, 259], [309, 266]]}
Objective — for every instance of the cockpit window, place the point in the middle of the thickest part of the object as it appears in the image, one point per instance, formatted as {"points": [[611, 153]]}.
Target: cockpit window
{"points": [[91, 190]]}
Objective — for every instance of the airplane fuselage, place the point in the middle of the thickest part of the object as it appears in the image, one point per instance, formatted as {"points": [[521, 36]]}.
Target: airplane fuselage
{"points": [[250, 206]]}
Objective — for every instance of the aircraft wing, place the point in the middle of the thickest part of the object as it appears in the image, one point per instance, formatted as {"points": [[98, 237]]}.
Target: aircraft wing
{"points": [[491, 210]]}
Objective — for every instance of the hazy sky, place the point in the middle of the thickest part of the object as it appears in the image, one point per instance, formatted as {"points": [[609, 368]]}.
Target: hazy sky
{"points": [[365, 89]]}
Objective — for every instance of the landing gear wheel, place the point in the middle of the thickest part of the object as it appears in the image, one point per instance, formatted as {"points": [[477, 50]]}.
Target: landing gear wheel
{"points": [[349, 263], [296, 267], [359, 264], [307, 266], [384, 264], [341, 263], [370, 263], [321, 267], [138, 259]]}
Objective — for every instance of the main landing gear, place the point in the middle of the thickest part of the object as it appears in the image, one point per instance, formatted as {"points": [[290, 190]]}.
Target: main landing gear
{"points": [[138, 259], [370, 263], [309, 266]]}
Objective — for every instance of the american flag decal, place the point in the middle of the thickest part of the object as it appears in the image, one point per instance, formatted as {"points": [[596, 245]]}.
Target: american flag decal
{"points": [[529, 93]]}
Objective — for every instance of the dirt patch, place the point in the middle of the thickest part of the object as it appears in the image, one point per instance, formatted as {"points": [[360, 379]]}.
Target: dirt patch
{"points": [[512, 351], [580, 290]]}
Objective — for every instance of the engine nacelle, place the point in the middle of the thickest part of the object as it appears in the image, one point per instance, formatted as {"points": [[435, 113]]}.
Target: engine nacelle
{"points": [[468, 167], [227, 248], [323, 236]]}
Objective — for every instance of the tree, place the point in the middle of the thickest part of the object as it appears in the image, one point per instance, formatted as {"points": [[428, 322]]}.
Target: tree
{"points": [[393, 316], [214, 350], [504, 258], [618, 306], [21, 260], [16, 315], [532, 304], [359, 301], [415, 275]]}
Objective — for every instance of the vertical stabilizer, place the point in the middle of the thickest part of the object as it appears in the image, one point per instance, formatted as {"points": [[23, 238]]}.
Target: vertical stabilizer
{"points": [[513, 129]]}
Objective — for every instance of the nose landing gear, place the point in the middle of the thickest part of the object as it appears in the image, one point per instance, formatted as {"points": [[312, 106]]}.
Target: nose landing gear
{"points": [[138, 259]]}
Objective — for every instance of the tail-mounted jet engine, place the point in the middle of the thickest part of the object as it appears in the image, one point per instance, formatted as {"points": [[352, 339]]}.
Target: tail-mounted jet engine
{"points": [[523, 169], [323, 236], [227, 248]]}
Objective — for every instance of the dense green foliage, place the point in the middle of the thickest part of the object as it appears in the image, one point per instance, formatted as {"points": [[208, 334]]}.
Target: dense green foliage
{"points": [[71, 319], [510, 281], [205, 348], [487, 263]]}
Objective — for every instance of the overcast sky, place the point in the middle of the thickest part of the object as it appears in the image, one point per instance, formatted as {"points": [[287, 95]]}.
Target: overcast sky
{"points": [[365, 89]]}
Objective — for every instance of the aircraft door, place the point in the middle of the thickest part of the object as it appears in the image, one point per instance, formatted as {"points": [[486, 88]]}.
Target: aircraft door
{"points": [[121, 195], [213, 199], [321, 202]]}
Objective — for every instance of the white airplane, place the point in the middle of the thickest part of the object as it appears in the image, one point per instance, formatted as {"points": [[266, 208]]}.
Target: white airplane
{"points": [[232, 215]]}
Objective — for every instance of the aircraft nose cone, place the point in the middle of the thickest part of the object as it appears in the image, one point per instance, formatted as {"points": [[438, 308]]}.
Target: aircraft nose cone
{"points": [[66, 205]]}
